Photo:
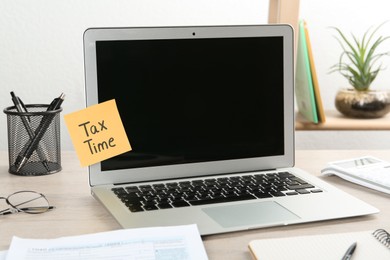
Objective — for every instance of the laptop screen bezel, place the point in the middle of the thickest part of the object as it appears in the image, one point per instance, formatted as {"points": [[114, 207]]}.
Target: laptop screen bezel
{"points": [[92, 35]]}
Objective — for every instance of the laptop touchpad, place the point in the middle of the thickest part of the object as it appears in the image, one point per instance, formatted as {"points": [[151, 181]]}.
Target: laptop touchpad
{"points": [[256, 214]]}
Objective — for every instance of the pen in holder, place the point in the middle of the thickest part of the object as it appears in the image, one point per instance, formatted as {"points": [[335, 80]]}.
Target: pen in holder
{"points": [[34, 139]]}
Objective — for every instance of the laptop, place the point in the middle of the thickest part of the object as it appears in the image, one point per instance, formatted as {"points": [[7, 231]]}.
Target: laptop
{"points": [[209, 113]]}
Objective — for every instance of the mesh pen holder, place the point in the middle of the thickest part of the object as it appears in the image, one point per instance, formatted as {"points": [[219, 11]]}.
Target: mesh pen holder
{"points": [[23, 129]]}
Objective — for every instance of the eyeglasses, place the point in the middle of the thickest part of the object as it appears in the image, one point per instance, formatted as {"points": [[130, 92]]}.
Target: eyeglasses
{"points": [[26, 201]]}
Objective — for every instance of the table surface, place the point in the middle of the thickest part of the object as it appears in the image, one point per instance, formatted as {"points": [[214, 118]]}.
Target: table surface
{"points": [[77, 212]]}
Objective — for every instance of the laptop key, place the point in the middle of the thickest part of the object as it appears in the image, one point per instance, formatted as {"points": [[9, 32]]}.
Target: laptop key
{"points": [[150, 207], [302, 191], [302, 186], [277, 193], [180, 203], [263, 195], [164, 205], [221, 199], [135, 208]]}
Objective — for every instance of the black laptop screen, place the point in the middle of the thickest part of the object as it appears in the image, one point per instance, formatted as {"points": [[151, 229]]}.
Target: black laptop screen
{"points": [[194, 100]]}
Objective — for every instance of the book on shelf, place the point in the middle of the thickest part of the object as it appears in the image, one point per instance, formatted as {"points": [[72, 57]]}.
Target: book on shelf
{"points": [[369, 245], [307, 89]]}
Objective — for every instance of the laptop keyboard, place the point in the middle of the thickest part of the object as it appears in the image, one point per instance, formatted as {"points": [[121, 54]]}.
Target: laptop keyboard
{"points": [[212, 190]]}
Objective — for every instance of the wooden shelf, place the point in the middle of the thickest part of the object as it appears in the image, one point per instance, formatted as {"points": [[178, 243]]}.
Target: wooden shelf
{"points": [[336, 121]]}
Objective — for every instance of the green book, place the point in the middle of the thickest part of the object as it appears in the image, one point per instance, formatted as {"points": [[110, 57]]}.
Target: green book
{"points": [[304, 89]]}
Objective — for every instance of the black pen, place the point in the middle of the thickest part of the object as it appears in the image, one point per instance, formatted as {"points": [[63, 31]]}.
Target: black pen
{"points": [[20, 107], [349, 252], [56, 103], [21, 160]]}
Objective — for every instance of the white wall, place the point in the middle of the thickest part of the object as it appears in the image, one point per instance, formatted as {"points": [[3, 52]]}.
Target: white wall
{"points": [[41, 52], [41, 46]]}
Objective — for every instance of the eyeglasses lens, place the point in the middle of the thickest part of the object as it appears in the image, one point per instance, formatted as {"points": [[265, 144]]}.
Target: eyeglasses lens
{"points": [[29, 202]]}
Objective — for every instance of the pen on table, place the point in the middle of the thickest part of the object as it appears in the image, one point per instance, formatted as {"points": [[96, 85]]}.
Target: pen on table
{"points": [[20, 107], [348, 254], [22, 158]]}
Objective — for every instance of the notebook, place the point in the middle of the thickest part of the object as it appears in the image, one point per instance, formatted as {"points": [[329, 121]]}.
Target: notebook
{"points": [[204, 102], [369, 245], [313, 70], [304, 85]]}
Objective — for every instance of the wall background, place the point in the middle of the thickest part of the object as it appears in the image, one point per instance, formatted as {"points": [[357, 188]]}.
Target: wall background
{"points": [[351, 17], [41, 52]]}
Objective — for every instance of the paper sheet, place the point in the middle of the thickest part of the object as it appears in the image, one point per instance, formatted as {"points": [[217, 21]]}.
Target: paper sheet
{"points": [[179, 242]]}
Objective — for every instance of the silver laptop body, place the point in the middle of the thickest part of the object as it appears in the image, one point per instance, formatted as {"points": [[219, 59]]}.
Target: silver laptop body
{"points": [[204, 102]]}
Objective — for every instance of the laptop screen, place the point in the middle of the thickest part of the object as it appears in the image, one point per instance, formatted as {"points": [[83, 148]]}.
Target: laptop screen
{"points": [[186, 100], [191, 100]]}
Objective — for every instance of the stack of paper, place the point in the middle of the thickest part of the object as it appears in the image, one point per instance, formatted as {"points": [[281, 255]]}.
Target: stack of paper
{"points": [[179, 242], [307, 91]]}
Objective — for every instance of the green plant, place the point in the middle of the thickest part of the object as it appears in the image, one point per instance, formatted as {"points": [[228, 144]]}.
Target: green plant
{"points": [[359, 61]]}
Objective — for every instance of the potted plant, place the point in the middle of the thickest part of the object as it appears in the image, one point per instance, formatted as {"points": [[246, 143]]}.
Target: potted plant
{"points": [[360, 64]]}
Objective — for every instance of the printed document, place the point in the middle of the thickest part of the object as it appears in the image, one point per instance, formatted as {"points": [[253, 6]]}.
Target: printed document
{"points": [[177, 242]]}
